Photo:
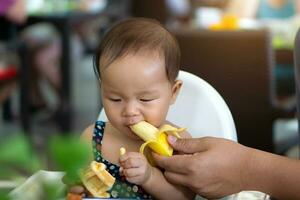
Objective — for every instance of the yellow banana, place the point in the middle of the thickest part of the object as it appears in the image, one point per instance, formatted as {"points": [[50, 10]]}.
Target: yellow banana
{"points": [[155, 138]]}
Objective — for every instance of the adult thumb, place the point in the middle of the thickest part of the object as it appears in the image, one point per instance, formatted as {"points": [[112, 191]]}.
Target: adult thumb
{"points": [[187, 145]]}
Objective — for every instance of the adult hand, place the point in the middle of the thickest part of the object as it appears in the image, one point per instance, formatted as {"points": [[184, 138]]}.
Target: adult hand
{"points": [[211, 167]]}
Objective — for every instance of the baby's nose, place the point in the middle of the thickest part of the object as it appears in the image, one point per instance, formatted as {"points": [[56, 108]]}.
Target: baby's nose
{"points": [[130, 110]]}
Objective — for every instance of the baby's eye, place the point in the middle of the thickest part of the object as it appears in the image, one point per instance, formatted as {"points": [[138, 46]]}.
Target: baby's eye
{"points": [[115, 99], [146, 100]]}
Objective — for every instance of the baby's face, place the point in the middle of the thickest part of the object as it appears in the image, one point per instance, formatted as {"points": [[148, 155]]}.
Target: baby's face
{"points": [[136, 88]]}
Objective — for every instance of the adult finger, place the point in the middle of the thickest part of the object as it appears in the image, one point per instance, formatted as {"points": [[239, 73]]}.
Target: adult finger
{"points": [[179, 179], [188, 145], [176, 163]]}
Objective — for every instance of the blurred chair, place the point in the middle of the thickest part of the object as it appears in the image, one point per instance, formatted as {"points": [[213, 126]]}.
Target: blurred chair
{"points": [[239, 64], [297, 77], [200, 109], [150, 9]]}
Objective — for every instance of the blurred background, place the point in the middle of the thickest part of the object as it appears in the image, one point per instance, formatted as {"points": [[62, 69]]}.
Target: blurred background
{"points": [[242, 48]]}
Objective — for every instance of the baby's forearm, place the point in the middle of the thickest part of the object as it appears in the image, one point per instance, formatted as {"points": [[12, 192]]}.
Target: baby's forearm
{"points": [[160, 188]]}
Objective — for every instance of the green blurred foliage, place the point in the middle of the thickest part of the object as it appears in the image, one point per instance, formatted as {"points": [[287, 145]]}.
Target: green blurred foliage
{"points": [[18, 159], [69, 154]]}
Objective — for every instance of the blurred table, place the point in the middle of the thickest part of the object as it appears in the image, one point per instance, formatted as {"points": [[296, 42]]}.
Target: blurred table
{"points": [[63, 21]]}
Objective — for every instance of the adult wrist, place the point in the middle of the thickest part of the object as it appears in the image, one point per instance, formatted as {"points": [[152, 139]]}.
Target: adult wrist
{"points": [[258, 171], [251, 171]]}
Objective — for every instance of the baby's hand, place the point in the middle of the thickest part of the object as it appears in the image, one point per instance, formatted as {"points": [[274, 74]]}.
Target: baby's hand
{"points": [[135, 167]]}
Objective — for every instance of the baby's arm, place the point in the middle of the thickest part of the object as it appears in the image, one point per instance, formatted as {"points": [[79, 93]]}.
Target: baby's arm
{"points": [[138, 171], [87, 136]]}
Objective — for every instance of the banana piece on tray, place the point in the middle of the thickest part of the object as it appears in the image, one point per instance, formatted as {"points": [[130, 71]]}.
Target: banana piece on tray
{"points": [[97, 180]]}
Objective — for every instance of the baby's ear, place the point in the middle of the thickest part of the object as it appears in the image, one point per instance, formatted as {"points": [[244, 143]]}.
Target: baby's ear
{"points": [[175, 90]]}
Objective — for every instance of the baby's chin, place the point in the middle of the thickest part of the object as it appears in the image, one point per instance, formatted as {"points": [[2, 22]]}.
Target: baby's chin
{"points": [[135, 137]]}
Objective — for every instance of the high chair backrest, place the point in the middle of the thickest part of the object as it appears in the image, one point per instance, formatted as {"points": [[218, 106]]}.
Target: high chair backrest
{"points": [[200, 109]]}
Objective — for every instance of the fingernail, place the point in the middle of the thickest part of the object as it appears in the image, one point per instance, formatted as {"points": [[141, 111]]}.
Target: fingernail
{"points": [[121, 173], [172, 139]]}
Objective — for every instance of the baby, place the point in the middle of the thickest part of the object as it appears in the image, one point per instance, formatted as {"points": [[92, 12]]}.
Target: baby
{"points": [[137, 64]]}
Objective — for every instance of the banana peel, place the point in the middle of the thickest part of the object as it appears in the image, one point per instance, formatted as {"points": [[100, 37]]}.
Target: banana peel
{"points": [[155, 138]]}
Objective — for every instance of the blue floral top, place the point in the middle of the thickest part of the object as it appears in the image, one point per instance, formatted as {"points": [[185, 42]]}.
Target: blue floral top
{"points": [[122, 188]]}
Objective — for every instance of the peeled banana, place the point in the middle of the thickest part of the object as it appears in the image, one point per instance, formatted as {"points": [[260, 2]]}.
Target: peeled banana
{"points": [[155, 138]]}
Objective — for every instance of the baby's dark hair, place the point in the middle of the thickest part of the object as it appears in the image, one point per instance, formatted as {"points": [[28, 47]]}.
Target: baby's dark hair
{"points": [[135, 35]]}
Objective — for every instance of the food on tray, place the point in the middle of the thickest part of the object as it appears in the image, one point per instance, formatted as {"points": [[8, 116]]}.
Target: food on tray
{"points": [[97, 180], [72, 196]]}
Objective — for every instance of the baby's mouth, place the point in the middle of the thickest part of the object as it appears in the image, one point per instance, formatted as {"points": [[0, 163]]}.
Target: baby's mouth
{"points": [[129, 124], [128, 127], [131, 132]]}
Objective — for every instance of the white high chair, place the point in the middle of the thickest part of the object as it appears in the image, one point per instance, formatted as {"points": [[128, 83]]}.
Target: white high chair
{"points": [[200, 109]]}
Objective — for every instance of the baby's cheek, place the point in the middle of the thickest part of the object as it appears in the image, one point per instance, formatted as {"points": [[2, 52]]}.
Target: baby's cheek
{"points": [[115, 122], [157, 119]]}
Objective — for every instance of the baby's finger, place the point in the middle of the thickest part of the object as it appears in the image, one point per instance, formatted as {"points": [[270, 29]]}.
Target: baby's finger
{"points": [[121, 171], [128, 155], [134, 180], [132, 163], [132, 172]]}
